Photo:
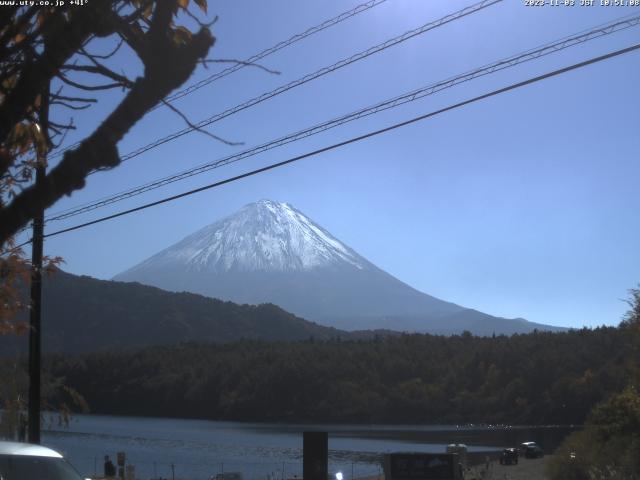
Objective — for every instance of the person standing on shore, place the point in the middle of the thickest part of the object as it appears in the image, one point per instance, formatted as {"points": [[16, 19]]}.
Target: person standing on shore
{"points": [[109, 467]]}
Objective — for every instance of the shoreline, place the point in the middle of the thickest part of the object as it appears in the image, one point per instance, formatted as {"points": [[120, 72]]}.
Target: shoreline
{"points": [[445, 427]]}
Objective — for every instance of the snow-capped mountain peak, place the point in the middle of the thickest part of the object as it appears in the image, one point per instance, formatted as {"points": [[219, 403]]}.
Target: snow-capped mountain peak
{"points": [[262, 236], [270, 252]]}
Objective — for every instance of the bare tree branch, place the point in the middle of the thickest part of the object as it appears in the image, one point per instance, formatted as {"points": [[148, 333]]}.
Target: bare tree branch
{"points": [[63, 136], [200, 23], [106, 56], [98, 69], [73, 99], [199, 129], [69, 106], [68, 126], [89, 88]]}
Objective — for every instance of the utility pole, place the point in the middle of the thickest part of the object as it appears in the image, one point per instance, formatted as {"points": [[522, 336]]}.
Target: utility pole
{"points": [[315, 455], [35, 330]]}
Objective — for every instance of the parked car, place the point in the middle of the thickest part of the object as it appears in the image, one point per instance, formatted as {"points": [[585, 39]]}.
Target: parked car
{"points": [[25, 461], [228, 476], [509, 456], [531, 450]]}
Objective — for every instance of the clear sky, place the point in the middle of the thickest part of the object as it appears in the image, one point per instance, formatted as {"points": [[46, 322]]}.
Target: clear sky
{"points": [[522, 205]]}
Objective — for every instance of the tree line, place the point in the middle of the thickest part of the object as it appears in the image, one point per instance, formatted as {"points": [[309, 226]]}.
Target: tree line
{"points": [[608, 445], [538, 378]]}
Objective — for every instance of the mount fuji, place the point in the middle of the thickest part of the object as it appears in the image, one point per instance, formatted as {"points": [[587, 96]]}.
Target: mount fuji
{"points": [[269, 252]]}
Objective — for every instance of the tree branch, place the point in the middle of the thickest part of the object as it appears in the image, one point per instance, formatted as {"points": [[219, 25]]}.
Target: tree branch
{"points": [[106, 56], [89, 88], [73, 99], [65, 38], [167, 66], [199, 129], [69, 106], [14, 27], [69, 126], [98, 69]]}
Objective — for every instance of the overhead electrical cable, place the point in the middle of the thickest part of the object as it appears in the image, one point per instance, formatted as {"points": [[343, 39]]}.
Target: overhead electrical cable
{"points": [[279, 46], [312, 76], [334, 146], [499, 65], [257, 57], [309, 77]]}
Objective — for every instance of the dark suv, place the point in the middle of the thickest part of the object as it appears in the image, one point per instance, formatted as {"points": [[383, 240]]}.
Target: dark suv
{"points": [[531, 450], [509, 456]]}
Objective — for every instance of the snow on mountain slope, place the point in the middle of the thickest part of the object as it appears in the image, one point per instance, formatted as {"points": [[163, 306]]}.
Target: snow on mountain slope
{"points": [[262, 236], [269, 252]]}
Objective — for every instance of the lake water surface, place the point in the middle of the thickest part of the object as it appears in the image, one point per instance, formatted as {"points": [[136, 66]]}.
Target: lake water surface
{"points": [[199, 449]]}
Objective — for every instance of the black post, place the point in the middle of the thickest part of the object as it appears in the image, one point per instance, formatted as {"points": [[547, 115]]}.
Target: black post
{"points": [[35, 330], [315, 455], [36, 283]]}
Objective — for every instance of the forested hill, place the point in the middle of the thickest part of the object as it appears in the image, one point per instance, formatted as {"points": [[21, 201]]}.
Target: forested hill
{"points": [[539, 378], [84, 314]]}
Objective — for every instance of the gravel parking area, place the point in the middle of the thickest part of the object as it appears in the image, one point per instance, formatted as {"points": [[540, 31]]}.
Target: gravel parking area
{"points": [[526, 469]]}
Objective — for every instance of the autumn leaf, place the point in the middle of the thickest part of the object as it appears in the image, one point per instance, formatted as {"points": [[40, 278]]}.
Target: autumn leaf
{"points": [[148, 11], [202, 4], [10, 82]]}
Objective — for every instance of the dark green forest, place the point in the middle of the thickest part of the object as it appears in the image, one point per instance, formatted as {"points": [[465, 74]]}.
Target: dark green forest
{"points": [[84, 314], [538, 378]]}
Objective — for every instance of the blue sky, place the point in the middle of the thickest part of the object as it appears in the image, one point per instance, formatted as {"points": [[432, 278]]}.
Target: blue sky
{"points": [[522, 205]]}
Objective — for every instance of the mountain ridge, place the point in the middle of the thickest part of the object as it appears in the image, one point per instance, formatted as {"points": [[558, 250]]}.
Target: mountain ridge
{"points": [[270, 252], [85, 314]]}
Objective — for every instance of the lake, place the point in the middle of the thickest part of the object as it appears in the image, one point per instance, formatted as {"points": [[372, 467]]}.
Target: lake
{"points": [[199, 449]]}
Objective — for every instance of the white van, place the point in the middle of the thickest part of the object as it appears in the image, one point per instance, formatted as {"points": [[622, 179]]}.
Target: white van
{"points": [[26, 461]]}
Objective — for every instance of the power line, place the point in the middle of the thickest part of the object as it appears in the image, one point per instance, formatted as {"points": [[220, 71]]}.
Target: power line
{"points": [[312, 76], [531, 54], [257, 57], [17, 247], [279, 46], [356, 139], [309, 77]]}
